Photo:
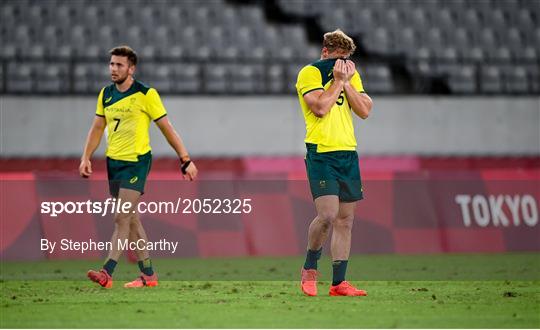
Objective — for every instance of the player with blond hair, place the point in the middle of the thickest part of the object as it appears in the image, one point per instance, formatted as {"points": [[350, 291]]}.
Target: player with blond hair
{"points": [[330, 92]]}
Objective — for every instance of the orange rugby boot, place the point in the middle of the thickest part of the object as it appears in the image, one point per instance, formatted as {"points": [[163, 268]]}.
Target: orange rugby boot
{"points": [[346, 289], [102, 278], [142, 281], [309, 281]]}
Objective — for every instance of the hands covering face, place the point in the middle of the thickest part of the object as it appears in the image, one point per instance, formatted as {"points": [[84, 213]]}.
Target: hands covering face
{"points": [[344, 70]]}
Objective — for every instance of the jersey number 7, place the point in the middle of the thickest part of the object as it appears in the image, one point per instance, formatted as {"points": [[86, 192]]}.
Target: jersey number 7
{"points": [[117, 120]]}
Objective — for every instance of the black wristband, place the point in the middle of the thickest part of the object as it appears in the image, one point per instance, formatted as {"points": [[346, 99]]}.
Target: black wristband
{"points": [[184, 166]]}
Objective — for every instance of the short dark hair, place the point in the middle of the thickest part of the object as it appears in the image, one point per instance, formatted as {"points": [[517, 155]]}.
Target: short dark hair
{"points": [[125, 51]]}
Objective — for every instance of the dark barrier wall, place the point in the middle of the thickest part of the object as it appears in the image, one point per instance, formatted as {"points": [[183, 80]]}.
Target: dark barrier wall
{"points": [[403, 212]]}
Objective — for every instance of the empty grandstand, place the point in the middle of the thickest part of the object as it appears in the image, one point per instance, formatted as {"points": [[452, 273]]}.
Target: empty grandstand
{"points": [[257, 47]]}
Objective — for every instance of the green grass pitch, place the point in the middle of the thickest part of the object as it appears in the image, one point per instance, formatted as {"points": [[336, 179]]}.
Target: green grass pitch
{"points": [[436, 291]]}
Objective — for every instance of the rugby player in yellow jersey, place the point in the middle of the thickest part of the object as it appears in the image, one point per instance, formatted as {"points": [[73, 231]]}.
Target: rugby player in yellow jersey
{"points": [[330, 92], [127, 108]]}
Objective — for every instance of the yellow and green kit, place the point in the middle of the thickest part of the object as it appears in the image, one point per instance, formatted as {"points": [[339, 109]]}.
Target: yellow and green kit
{"points": [[128, 115], [331, 158]]}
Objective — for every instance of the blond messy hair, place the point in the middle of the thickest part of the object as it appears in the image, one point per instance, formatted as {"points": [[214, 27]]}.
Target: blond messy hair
{"points": [[338, 40]]}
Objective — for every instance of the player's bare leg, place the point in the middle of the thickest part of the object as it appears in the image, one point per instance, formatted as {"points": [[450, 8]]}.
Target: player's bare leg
{"points": [[340, 248], [122, 223], [341, 231], [137, 232], [147, 277], [327, 210]]}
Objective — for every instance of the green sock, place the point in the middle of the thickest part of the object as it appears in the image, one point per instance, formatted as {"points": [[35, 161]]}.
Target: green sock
{"points": [[146, 267], [312, 257], [109, 266], [339, 269]]}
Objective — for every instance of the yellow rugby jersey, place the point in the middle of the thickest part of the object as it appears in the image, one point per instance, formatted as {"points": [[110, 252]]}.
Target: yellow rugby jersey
{"points": [[335, 130], [128, 116]]}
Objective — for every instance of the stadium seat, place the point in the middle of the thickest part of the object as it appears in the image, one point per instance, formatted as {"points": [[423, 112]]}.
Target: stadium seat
{"points": [[8, 51], [148, 52], [293, 7], [100, 76], [247, 79], [275, 78], [462, 79], [82, 81], [377, 79], [160, 77], [251, 15], [8, 16], [175, 52], [516, 79], [533, 76], [291, 77], [186, 78], [216, 78], [491, 80], [474, 53], [64, 52], [51, 78], [20, 77]]}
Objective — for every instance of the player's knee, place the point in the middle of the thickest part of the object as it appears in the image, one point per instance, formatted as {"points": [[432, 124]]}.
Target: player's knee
{"points": [[135, 222], [344, 222], [122, 220], [326, 217]]}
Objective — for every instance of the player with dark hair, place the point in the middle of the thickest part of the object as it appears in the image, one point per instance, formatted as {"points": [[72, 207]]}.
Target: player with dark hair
{"points": [[126, 108], [330, 91]]}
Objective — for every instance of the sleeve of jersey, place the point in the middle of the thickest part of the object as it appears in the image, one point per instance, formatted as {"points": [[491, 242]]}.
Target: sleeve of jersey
{"points": [[99, 105], [155, 108], [309, 79], [356, 82]]}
